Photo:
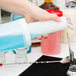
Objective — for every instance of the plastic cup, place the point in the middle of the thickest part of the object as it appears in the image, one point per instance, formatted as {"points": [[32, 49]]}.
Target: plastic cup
{"points": [[52, 44]]}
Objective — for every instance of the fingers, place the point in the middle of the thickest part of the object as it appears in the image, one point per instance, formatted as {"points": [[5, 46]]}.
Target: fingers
{"points": [[44, 36]]}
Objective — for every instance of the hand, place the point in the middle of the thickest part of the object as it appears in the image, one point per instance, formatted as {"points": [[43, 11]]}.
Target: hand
{"points": [[23, 7], [44, 36], [39, 14]]}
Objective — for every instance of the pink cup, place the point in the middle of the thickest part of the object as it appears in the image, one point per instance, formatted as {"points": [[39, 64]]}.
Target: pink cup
{"points": [[51, 45]]}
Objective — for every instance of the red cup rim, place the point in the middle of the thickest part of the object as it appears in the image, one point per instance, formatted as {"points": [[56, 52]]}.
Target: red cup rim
{"points": [[58, 12]]}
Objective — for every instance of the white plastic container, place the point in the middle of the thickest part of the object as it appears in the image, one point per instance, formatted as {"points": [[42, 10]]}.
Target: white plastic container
{"points": [[18, 34], [12, 35]]}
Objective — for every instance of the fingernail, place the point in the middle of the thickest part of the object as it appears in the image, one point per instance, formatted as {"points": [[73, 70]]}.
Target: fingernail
{"points": [[45, 35]]}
